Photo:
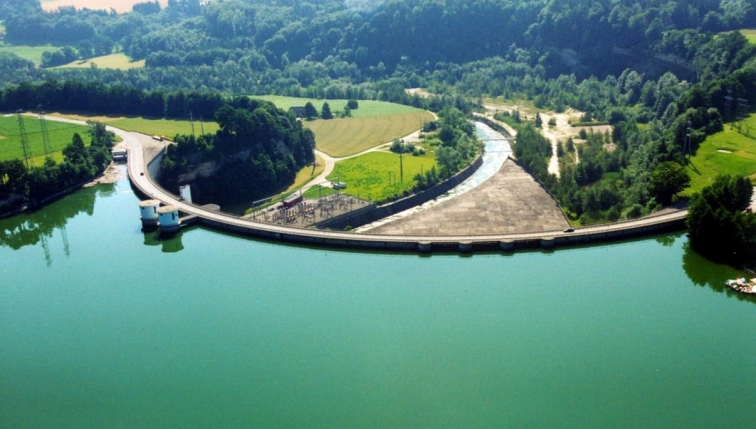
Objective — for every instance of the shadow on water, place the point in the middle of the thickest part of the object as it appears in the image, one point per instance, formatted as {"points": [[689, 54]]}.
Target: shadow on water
{"points": [[37, 226], [167, 244], [705, 273]]}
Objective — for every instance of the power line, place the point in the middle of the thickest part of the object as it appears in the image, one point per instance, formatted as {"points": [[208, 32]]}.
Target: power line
{"points": [[24, 139]]}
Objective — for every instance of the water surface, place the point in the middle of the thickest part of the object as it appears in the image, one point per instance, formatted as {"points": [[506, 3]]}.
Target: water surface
{"points": [[112, 328]]}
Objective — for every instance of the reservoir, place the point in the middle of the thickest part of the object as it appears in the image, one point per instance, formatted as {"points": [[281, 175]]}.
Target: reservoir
{"points": [[104, 326]]}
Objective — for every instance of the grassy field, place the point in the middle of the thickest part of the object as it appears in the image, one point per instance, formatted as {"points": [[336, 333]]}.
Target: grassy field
{"points": [[727, 152], [113, 61], [153, 127], [367, 108], [750, 35], [31, 53], [375, 175], [60, 136], [348, 136], [163, 127]]}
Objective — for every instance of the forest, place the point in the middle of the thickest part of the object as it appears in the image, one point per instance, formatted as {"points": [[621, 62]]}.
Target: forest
{"points": [[655, 70]]}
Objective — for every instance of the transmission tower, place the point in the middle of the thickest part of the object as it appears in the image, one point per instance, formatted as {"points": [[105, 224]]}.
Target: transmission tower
{"points": [[687, 145], [46, 249], [24, 139], [65, 240], [741, 114], [728, 105], [45, 134]]}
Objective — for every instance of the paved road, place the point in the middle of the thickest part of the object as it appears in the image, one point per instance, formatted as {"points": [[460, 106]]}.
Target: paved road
{"points": [[140, 178]]}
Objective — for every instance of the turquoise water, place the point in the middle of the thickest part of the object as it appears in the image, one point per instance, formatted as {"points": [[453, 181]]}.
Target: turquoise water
{"points": [[119, 330]]}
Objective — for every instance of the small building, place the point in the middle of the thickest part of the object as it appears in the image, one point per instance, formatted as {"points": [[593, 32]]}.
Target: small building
{"points": [[298, 111], [119, 155], [292, 200]]}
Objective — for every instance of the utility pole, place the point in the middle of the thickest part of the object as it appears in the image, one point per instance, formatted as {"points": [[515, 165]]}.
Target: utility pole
{"points": [[401, 166], [191, 119], [202, 126], [24, 139]]}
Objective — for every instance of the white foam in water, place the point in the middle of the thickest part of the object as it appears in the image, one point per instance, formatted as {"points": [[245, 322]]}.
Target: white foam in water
{"points": [[497, 150]]}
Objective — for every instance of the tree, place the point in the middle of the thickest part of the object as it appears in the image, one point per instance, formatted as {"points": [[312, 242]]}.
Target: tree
{"points": [[538, 121], [352, 104], [310, 111], [325, 112], [667, 179], [718, 226]]}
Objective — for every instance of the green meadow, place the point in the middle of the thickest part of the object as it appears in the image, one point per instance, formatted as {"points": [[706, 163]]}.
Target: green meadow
{"points": [[366, 109], [60, 135], [376, 176], [113, 61], [31, 53], [727, 152], [750, 35]]}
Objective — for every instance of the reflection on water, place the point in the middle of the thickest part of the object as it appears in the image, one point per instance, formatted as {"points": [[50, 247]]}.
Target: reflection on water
{"points": [[37, 227], [168, 244], [705, 273]]}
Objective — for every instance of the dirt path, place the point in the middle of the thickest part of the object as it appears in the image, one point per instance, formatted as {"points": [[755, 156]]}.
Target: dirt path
{"points": [[330, 162]]}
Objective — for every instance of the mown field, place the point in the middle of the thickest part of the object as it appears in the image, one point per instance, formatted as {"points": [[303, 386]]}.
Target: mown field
{"points": [[153, 127], [31, 53], [163, 127], [727, 152], [348, 136], [113, 61], [750, 35], [375, 175], [366, 109], [373, 123], [60, 136]]}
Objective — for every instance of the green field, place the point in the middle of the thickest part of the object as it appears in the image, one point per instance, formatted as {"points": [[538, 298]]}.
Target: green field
{"points": [[727, 152], [375, 175], [31, 53], [750, 35], [367, 108], [60, 134], [113, 61], [344, 137], [161, 127]]}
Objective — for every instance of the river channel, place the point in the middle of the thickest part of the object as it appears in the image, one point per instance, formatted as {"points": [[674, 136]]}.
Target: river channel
{"points": [[104, 326]]}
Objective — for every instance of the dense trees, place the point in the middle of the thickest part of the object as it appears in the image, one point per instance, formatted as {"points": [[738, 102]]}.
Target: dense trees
{"points": [[719, 227], [258, 147]]}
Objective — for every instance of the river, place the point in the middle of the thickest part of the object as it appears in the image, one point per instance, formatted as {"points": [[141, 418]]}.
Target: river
{"points": [[103, 326]]}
